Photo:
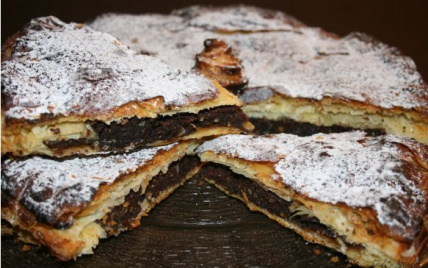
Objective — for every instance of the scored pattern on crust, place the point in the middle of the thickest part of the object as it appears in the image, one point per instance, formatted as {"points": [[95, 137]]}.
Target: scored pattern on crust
{"points": [[346, 168], [69, 69], [47, 186], [279, 52]]}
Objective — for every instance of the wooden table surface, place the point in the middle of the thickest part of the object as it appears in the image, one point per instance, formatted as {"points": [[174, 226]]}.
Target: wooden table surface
{"points": [[198, 225]]}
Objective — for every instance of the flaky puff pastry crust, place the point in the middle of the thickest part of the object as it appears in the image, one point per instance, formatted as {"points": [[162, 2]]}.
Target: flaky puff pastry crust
{"points": [[265, 103], [377, 207], [77, 194], [56, 77]]}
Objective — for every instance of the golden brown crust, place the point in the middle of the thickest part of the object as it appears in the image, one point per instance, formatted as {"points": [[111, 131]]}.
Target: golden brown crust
{"points": [[218, 62]]}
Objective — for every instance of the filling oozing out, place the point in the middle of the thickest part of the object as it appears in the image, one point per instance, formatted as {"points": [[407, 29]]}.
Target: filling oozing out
{"points": [[127, 215], [266, 126], [138, 132]]}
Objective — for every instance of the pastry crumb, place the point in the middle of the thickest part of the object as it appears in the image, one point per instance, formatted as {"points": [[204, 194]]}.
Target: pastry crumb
{"points": [[334, 259], [26, 248], [317, 251]]}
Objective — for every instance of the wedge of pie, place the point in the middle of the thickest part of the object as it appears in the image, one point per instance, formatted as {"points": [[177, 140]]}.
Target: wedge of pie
{"points": [[365, 197], [69, 204], [67, 89]]}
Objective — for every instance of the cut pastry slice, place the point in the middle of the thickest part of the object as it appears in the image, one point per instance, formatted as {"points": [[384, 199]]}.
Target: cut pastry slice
{"points": [[299, 77], [69, 204], [365, 197], [68, 89]]}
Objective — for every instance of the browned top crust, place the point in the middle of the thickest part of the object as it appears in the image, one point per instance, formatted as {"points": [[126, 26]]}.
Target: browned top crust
{"points": [[280, 53], [51, 69]]}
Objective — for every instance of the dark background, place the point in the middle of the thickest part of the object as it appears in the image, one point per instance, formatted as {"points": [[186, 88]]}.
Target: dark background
{"points": [[400, 23]]}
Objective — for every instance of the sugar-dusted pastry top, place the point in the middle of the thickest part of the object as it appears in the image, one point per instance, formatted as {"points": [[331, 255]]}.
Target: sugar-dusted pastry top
{"points": [[346, 168], [46, 187], [60, 69], [237, 18], [279, 52]]}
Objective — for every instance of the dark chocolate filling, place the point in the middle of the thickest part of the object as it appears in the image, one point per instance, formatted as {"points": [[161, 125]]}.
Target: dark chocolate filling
{"points": [[239, 185], [125, 216], [285, 125], [140, 132]]}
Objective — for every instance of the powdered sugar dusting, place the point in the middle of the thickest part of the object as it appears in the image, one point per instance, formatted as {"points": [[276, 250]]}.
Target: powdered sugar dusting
{"points": [[166, 37], [62, 69], [237, 18], [344, 168], [46, 186], [316, 67], [300, 62]]}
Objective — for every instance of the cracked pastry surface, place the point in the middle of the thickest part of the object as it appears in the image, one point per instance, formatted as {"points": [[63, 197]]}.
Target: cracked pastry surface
{"points": [[363, 196], [59, 79], [295, 72], [69, 204]]}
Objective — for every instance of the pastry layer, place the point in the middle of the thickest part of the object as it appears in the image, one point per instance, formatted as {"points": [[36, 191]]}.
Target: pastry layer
{"points": [[335, 113], [363, 196], [65, 138], [217, 62], [68, 205]]}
